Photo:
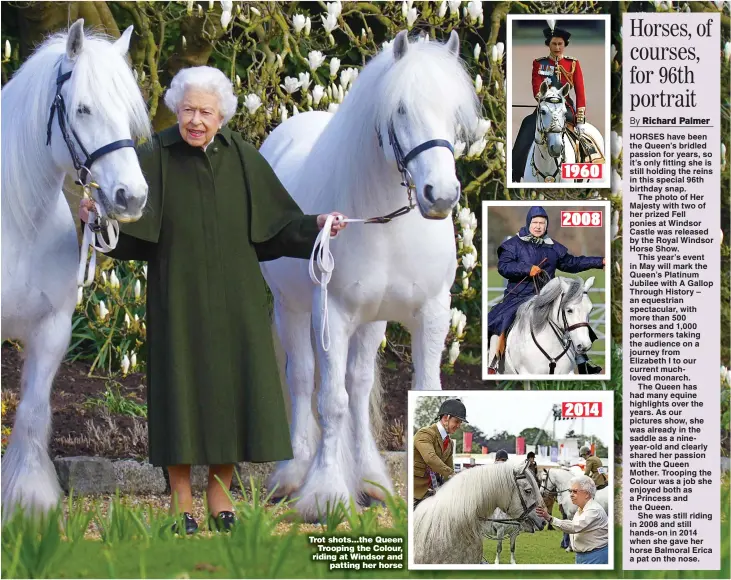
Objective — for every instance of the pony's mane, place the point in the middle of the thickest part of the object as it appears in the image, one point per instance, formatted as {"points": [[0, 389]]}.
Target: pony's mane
{"points": [[538, 309], [101, 78], [428, 78], [471, 494]]}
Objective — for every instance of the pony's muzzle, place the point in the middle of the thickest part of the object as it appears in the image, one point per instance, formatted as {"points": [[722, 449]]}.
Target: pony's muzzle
{"points": [[555, 149], [128, 202], [438, 207]]}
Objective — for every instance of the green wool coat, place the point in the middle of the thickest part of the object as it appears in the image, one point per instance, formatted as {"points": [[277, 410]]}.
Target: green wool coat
{"points": [[214, 392]]}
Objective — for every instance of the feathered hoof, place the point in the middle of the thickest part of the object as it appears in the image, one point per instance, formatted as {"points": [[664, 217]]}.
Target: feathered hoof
{"points": [[320, 497], [30, 485], [366, 501], [287, 478]]}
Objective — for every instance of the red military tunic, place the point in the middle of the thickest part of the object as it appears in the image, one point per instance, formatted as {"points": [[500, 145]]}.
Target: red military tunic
{"points": [[567, 71]]}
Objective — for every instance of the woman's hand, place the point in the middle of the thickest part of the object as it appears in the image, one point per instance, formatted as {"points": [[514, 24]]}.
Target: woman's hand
{"points": [[542, 512], [84, 207], [338, 224]]}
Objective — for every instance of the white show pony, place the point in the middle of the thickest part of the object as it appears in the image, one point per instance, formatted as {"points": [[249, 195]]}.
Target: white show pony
{"points": [[72, 108], [396, 125], [449, 527], [549, 330], [556, 483], [495, 530], [551, 145]]}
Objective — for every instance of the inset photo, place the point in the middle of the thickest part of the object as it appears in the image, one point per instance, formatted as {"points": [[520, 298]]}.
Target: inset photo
{"points": [[546, 290], [558, 89], [511, 478]]}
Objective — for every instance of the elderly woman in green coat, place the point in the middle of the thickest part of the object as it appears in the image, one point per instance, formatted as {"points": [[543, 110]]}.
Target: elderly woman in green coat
{"points": [[215, 210]]}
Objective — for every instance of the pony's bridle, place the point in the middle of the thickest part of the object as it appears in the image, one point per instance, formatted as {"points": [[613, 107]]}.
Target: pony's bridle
{"points": [[83, 169], [554, 127], [554, 492], [401, 163], [526, 508]]}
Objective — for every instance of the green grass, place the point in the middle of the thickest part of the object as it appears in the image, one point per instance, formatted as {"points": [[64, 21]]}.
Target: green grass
{"points": [[495, 280]]}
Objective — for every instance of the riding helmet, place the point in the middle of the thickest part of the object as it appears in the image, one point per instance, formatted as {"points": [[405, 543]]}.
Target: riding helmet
{"points": [[455, 408], [584, 451], [501, 455]]}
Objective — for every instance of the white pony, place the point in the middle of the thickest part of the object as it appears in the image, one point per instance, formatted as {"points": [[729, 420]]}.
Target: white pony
{"points": [[556, 482], [495, 530], [449, 527], [97, 110], [396, 125], [549, 330], [551, 145]]}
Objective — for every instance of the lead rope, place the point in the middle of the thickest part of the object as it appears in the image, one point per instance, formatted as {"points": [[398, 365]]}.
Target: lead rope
{"points": [[94, 238]]}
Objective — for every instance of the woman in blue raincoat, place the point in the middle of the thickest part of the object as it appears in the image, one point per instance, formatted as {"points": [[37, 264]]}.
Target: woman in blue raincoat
{"points": [[522, 258]]}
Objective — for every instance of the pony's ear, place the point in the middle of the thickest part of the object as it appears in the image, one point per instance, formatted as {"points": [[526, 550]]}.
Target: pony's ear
{"points": [[588, 284], [75, 42], [543, 89], [122, 43], [565, 90], [400, 45], [453, 43]]}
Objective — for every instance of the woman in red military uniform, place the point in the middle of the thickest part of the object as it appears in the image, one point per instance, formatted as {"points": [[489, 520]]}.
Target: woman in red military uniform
{"points": [[559, 70]]}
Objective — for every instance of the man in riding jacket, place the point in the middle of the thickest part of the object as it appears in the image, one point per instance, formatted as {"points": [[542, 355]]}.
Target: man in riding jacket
{"points": [[558, 70], [592, 469], [433, 456], [520, 259]]}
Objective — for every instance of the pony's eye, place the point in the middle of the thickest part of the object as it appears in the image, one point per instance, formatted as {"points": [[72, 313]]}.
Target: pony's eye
{"points": [[83, 110], [569, 310]]}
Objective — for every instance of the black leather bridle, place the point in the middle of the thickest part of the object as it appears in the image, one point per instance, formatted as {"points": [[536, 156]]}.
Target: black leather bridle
{"points": [[401, 163], [526, 508], [83, 170], [553, 128]]}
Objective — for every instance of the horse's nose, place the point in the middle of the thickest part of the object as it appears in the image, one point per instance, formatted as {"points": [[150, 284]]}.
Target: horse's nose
{"points": [[129, 201], [429, 193], [120, 198]]}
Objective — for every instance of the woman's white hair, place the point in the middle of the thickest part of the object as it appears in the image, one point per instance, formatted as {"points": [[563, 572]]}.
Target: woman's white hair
{"points": [[586, 483], [207, 79]]}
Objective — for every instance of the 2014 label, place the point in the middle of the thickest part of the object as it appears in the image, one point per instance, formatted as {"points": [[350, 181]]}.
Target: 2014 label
{"points": [[575, 410], [581, 219]]}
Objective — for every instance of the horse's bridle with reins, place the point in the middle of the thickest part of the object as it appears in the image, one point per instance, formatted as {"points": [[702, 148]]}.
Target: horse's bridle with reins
{"points": [[97, 223], [554, 127], [401, 163], [554, 492], [526, 508], [563, 335]]}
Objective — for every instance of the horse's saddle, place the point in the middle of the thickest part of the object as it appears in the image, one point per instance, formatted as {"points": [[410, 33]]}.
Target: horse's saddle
{"points": [[587, 150]]}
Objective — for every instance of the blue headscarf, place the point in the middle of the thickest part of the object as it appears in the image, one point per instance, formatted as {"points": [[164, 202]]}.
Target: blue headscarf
{"points": [[525, 235]]}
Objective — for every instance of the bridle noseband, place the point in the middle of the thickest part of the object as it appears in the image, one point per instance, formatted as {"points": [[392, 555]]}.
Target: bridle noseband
{"points": [[401, 163], [83, 170], [563, 334], [526, 508]]}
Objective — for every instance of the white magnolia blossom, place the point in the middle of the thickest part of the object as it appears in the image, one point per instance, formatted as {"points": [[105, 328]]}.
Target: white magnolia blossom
{"points": [[719, 3], [252, 102], [104, 278], [465, 280], [329, 23], [726, 50], [474, 9], [237, 81], [404, 9], [616, 145], [476, 52], [613, 52], [315, 59], [347, 76], [467, 219], [363, 35], [726, 374], [334, 8], [461, 325], [305, 82], [500, 147], [308, 26], [283, 113], [454, 7], [8, 50], [341, 94], [477, 148], [225, 19], [332, 108], [459, 148], [189, 7], [334, 66], [723, 155], [384, 343], [618, 268], [133, 360], [125, 364], [616, 184], [256, 11], [453, 352], [103, 312], [298, 23], [138, 289], [113, 280], [615, 224], [482, 127], [469, 261], [200, 10], [455, 317], [127, 321], [295, 110], [468, 235], [317, 93], [478, 84], [210, 4], [227, 5], [144, 271], [291, 85], [280, 61], [79, 295], [386, 44], [137, 318], [412, 16], [442, 11]]}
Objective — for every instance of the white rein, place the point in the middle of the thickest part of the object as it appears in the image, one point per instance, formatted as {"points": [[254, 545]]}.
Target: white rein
{"points": [[96, 241]]}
